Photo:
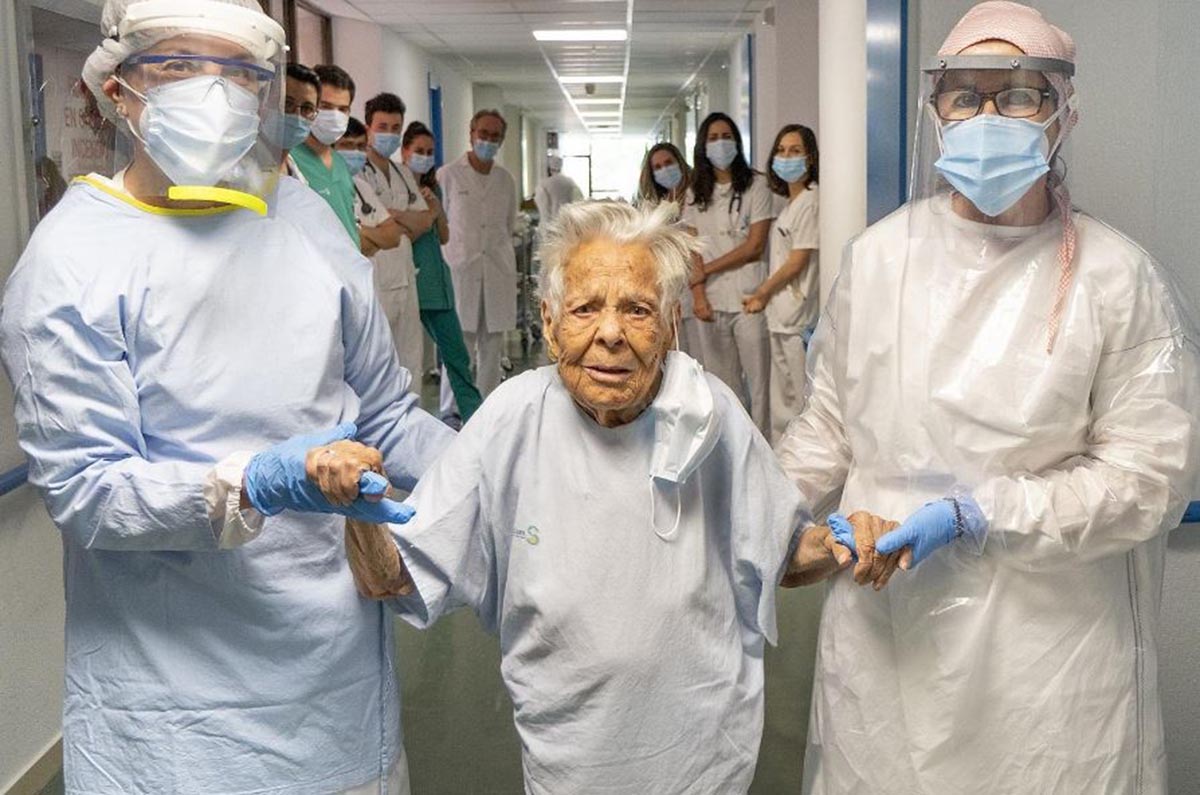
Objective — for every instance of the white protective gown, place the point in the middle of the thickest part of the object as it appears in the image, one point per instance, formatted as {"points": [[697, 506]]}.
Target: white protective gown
{"points": [[736, 347], [1029, 666], [554, 192], [482, 212], [395, 269], [144, 349], [633, 657], [792, 312]]}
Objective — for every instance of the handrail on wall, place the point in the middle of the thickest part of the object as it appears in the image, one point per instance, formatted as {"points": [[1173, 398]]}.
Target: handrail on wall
{"points": [[13, 479]]}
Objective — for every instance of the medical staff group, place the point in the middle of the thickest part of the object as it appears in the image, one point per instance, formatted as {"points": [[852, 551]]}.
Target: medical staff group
{"points": [[975, 443]]}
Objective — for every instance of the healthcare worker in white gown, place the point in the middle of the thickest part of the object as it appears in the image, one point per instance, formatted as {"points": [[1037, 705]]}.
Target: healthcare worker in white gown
{"points": [[178, 336], [1016, 382], [620, 523], [480, 200]]}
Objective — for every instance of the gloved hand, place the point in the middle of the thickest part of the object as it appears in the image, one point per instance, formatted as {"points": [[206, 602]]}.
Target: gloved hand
{"points": [[932, 526], [277, 479], [843, 533]]}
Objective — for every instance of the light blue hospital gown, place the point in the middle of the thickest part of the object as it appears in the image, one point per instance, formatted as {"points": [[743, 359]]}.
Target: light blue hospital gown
{"points": [[634, 662], [144, 349]]}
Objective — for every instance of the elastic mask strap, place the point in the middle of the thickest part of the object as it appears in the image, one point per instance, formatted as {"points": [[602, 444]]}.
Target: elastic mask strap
{"points": [[133, 130], [674, 531], [1069, 105]]}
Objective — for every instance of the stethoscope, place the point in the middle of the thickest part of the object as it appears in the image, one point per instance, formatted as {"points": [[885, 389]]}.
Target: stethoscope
{"points": [[412, 197]]}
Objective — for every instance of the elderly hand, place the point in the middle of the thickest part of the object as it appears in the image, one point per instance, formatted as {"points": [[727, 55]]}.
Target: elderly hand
{"points": [[316, 474], [860, 534], [375, 562], [817, 557]]}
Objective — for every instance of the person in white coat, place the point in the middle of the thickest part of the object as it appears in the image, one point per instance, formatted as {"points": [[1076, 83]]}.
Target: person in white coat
{"points": [[555, 191], [790, 296], [480, 200], [1021, 382], [730, 207], [397, 189]]}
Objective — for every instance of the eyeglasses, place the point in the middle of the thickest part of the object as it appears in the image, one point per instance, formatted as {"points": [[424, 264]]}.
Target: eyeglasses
{"points": [[306, 110], [160, 69], [959, 104]]}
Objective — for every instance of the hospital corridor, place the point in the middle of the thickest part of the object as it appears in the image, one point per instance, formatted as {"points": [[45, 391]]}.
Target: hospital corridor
{"points": [[581, 397]]}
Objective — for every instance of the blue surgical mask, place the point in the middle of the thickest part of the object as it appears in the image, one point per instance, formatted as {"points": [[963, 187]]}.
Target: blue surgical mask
{"points": [[287, 131], [993, 160], [356, 160], [486, 150], [721, 153], [790, 169], [420, 164], [196, 130], [669, 177], [386, 144]]}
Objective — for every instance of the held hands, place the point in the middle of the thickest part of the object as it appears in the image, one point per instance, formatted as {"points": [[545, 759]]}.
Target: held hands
{"points": [[753, 304], [935, 525], [818, 556], [323, 472], [860, 534]]}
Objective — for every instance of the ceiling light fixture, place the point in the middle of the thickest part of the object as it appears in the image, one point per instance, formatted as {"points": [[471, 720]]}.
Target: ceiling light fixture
{"points": [[589, 101], [571, 79], [582, 34]]}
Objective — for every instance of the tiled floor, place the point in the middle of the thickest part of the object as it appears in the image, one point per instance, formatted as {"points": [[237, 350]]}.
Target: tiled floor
{"points": [[457, 717]]}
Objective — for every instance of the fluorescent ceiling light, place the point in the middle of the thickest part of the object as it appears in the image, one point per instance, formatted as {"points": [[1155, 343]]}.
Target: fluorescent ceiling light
{"points": [[587, 113], [598, 101], [582, 34], [567, 79]]}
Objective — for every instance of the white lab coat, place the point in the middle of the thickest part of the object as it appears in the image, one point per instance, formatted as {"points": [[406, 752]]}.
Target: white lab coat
{"points": [[395, 269], [633, 659], [481, 210], [1030, 667], [552, 194]]}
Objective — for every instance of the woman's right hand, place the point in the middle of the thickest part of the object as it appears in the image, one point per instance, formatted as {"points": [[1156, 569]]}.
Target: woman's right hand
{"points": [[701, 308]]}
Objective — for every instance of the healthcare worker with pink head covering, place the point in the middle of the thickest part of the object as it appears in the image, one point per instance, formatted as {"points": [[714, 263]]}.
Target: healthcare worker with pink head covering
{"points": [[1017, 383]]}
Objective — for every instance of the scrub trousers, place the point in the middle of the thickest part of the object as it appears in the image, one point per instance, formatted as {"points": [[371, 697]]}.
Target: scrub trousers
{"points": [[486, 348], [691, 338], [736, 350], [446, 331], [403, 313], [788, 360]]}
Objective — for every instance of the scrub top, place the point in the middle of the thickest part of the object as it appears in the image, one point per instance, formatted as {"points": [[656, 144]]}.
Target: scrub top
{"points": [[793, 310], [723, 226], [333, 184]]}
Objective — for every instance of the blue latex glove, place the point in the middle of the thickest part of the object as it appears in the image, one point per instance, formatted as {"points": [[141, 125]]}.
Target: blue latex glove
{"points": [[933, 526], [843, 533], [276, 480]]}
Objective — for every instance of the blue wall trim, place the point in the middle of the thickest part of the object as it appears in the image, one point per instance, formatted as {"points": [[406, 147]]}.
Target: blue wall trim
{"points": [[13, 479], [887, 106]]}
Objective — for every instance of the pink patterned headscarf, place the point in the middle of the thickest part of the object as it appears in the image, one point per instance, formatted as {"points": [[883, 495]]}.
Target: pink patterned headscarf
{"points": [[1027, 29]]}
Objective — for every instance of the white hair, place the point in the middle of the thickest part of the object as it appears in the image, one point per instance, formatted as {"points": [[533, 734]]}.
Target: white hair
{"points": [[653, 227]]}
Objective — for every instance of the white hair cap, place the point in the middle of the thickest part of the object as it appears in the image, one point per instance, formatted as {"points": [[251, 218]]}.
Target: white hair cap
{"points": [[132, 26]]}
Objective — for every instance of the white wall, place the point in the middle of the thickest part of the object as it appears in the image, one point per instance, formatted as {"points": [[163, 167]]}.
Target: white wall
{"points": [[31, 595], [1133, 162], [358, 48], [785, 73]]}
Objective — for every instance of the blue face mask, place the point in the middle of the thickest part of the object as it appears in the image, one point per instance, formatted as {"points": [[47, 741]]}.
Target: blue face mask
{"points": [[994, 160], [386, 144], [286, 131], [420, 164], [721, 153], [669, 177], [356, 160], [486, 150], [790, 169]]}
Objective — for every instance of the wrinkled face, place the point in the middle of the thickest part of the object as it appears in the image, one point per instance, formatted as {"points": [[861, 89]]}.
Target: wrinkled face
{"points": [[610, 338]]}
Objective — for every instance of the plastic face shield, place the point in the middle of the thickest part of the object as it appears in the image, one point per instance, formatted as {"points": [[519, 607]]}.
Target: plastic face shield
{"points": [[955, 89], [198, 102]]}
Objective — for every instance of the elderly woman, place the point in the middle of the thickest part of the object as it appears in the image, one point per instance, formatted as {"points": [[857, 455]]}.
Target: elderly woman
{"points": [[619, 521]]}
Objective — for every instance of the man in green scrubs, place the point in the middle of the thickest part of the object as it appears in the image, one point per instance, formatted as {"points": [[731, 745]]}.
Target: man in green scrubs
{"points": [[323, 169]]}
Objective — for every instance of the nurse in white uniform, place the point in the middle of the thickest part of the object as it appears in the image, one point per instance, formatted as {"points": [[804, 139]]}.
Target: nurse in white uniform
{"points": [[730, 207]]}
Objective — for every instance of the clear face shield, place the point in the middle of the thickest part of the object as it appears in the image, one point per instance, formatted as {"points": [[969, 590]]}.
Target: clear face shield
{"points": [[989, 127], [202, 104]]}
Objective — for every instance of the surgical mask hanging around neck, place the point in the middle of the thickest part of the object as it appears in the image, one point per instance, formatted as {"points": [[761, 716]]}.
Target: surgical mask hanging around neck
{"points": [[196, 130], [994, 160]]}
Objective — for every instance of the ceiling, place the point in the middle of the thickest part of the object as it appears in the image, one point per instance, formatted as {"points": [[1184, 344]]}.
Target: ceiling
{"points": [[491, 41]]}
